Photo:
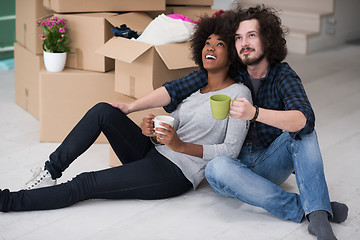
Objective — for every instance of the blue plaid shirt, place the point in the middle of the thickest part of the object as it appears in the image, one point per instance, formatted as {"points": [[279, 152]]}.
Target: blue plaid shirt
{"points": [[281, 90]]}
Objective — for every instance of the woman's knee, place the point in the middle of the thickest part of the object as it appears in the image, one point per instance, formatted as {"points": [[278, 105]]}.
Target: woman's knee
{"points": [[103, 109]]}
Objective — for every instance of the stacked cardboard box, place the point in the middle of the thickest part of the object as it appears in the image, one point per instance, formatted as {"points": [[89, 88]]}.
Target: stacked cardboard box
{"points": [[87, 32], [100, 67], [207, 3], [193, 9], [28, 54], [71, 6], [27, 68], [66, 96]]}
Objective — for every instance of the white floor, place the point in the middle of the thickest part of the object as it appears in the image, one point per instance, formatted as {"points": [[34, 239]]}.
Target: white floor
{"points": [[332, 81]]}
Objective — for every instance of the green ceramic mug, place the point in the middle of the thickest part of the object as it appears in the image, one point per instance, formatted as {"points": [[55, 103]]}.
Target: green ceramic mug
{"points": [[220, 106]]}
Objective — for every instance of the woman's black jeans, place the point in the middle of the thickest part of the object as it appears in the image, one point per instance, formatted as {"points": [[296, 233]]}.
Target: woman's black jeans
{"points": [[145, 174]]}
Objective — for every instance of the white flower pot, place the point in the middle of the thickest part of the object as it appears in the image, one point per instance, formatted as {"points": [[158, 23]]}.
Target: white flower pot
{"points": [[54, 62]]}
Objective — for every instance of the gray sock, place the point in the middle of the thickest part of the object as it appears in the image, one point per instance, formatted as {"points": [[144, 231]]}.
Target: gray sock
{"points": [[340, 212], [320, 226]]}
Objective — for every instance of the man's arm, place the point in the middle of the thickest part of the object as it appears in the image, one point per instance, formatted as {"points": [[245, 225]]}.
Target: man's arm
{"points": [[290, 120], [180, 89], [169, 95], [157, 98], [297, 115]]}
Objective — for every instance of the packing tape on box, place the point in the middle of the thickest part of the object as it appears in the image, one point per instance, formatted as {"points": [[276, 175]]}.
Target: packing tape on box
{"points": [[25, 33], [79, 58], [132, 86]]}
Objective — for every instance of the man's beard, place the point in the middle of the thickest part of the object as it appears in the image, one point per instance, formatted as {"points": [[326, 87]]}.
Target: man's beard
{"points": [[251, 61]]}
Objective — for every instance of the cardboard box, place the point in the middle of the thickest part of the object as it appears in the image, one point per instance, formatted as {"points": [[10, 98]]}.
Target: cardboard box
{"points": [[27, 31], [137, 117], [194, 13], [27, 68], [141, 67], [63, 6], [190, 2], [66, 96], [154, 14], [114, 161], [87, 32]]}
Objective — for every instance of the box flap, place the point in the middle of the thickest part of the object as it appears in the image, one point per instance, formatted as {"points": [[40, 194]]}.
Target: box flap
{"points": [[123, 49], [176, 56], [135, 21]]}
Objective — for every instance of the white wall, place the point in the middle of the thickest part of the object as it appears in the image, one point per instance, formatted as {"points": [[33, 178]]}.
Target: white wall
{"points": [[345, 28]]}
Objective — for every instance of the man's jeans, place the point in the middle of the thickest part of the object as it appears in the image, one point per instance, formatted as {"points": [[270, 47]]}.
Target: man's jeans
{"points": [[254, 177]]}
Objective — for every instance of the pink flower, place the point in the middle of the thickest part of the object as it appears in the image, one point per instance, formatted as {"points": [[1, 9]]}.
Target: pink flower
{"points": [[54, 38]]}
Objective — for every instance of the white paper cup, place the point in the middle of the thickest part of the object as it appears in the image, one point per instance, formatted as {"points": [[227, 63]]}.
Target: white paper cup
{"points": [[165, 119]]}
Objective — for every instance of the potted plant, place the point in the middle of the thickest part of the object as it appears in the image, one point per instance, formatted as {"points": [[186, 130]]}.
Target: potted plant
{"points": [[54, 43]]}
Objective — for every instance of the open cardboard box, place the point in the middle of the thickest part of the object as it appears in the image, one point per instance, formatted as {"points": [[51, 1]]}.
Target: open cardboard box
{"points": [[141, 67], [64, 6]]}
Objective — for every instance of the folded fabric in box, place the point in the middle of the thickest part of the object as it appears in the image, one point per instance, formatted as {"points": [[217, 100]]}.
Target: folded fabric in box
{"points": [[166, 30], [124, 31]]}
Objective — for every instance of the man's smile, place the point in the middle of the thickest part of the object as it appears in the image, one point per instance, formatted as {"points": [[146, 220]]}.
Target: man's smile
{"points": [[247, 50]]}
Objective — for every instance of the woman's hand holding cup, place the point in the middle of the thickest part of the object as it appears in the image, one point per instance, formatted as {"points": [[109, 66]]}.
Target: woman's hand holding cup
{"points": [[147, 126], [165, 132], [167, 135]]}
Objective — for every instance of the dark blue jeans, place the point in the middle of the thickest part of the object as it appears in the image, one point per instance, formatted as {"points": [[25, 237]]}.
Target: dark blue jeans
{"points": [[145, 173]]}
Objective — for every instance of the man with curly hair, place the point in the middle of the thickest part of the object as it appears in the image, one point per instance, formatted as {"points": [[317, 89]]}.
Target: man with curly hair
{"points": [[281, 139]]}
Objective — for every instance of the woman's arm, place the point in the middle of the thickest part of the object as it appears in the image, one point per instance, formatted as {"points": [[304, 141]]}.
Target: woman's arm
{"points": [[157, 98], [172, 141]]}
